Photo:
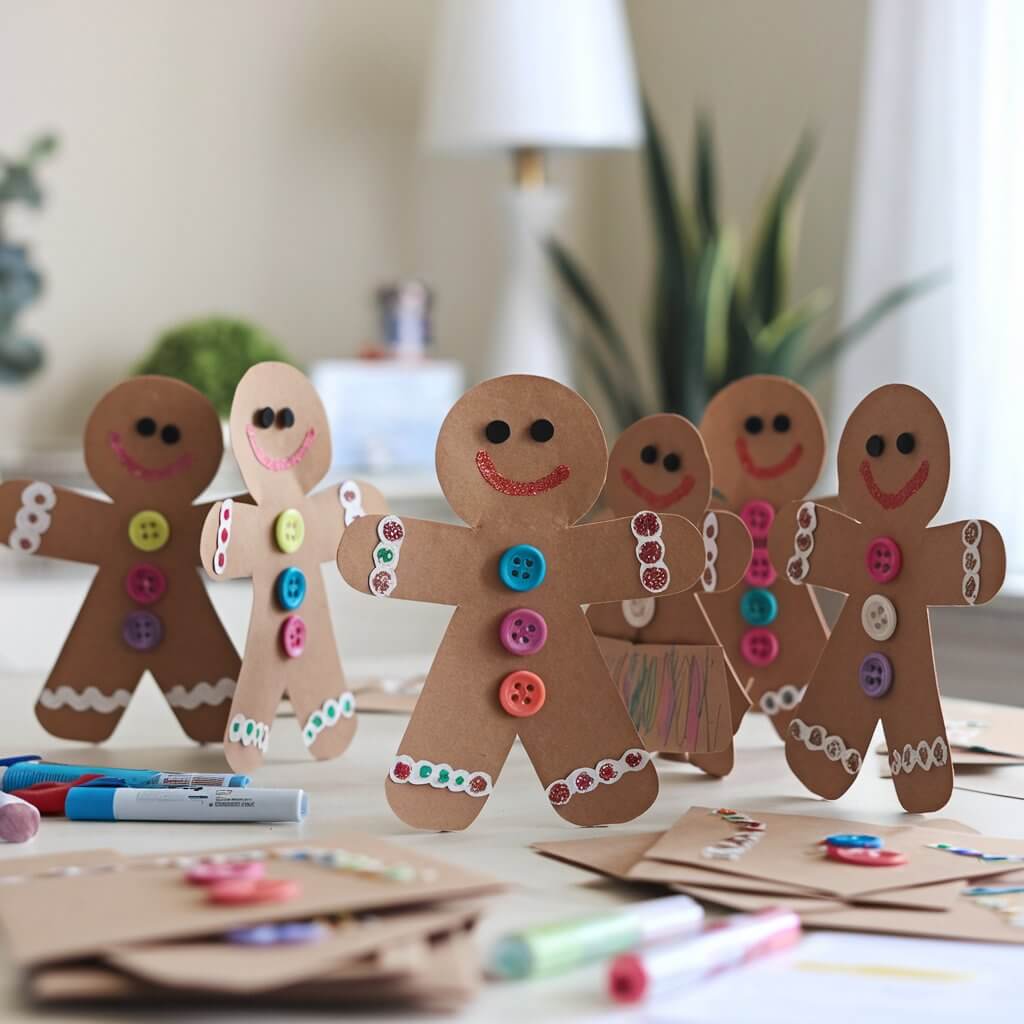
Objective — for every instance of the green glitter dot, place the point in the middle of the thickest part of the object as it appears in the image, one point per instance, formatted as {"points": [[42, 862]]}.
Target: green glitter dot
{"points": [[249, 726], [460, 780], [444, 775], [317, 721], [425, 771], [330, 711]]}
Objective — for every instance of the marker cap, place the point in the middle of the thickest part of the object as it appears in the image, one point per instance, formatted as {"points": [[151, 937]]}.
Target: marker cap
{"points": [[91, 803]]}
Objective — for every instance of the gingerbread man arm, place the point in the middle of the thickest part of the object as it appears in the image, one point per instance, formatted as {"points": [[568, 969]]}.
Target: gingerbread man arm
{"points": [[727, 550], [228, 546], [337, 507], [38, 519], [414, 559], [966, 562], [633, 557], [811, 544]]}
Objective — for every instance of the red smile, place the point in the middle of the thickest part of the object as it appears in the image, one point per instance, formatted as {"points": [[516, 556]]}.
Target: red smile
{"points": [[767, 472], [652, 498], [142, 472], [518, 488], [893, 499]]}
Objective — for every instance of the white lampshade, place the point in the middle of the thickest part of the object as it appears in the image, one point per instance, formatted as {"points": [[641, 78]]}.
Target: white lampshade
{"points": [[532, 73]]}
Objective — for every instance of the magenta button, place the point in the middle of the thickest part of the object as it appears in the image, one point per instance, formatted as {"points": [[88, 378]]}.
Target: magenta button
{"points": [[759, 646], [760, 572], [758, 515], [142, 631], [145, 583], [293, 636], [884, 559], [523, 631], [876, 674]]}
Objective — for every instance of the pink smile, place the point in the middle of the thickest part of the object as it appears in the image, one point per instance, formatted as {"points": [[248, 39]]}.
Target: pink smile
{"points": [[289, 461], [142, 472]]}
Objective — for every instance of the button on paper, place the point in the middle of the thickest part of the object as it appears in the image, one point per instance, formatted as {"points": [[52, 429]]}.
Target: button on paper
{"points": [[289, 531], [523, 631], [522, 694], [290, 588], [145, 583], [142, 631], [759, 647], [759, 607], [149, 530], [884, 559], [878, 617], [522, 567], [875, 675]]}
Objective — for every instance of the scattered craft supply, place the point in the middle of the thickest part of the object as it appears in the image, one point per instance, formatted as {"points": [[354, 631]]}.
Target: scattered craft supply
{"points": [[245, 891], [866, 857], [733, 847], [19, 820], [281, 442], [104, 800], [964, 851], [51, 797], [358, 864], [849, 841], [153, 445], [683, 696], [282, 933], [894, 469], [238, 870], [520, 459], [27, 770]]}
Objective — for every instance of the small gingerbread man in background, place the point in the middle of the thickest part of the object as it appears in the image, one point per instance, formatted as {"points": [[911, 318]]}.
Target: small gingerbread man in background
{"points": [[682, 694], [878, 663], [153, 445], [766, 440], [520, 459], [281, 441]]}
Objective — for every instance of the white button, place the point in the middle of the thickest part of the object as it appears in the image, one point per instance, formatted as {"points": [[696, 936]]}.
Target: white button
{"points": [[639, 612], [878, 617]]}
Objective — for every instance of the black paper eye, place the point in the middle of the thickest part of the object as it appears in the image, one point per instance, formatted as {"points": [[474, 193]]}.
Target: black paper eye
{"points": [[672, 462], [754, 425], [497, 432], [781, 423], [264, 418], [649, 454], [905, 443], [285, 417], [542, 430], [170, 434], [146, 426], [875, 446]]}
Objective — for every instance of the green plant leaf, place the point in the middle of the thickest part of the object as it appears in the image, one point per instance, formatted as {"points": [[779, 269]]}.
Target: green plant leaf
{"points": [[43, 146], [705, 183], [618, 399], [778, 343], [718, 301]]}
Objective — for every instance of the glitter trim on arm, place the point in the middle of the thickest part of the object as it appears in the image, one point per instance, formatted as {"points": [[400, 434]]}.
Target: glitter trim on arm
{"points": [[709, 578], [799, 565], [33, 518], [606, 772], [971, 537], [220, 555], [383, 579], [650, 551]]}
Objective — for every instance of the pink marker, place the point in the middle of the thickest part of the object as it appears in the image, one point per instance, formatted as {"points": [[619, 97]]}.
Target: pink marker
{"points": [[19, 820], [729, 943]]}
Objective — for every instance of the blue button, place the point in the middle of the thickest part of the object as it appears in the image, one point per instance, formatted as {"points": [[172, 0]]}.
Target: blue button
{"points": [[759, 607], [290, 589], [522, 567], [847, 841]]}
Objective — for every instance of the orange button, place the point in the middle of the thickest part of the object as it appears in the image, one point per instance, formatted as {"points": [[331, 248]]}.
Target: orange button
{"points": [[522, 694]]}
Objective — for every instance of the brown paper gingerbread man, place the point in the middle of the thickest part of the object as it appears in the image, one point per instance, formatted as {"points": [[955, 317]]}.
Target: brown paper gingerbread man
{"points": [[766, 440], [878, 663], [682, 695], [281, 441], [152, 444], [520, 459]]}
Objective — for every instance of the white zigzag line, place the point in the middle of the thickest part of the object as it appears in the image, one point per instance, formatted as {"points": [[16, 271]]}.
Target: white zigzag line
{"points": [[190, 698], [89, 699]]}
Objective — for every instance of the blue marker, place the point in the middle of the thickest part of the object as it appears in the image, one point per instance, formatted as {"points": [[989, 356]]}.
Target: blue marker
{"points": [[19, 772]]}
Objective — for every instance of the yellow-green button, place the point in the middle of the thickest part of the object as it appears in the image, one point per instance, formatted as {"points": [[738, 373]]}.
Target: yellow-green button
{"points": [[149, 530], [289, 530]]}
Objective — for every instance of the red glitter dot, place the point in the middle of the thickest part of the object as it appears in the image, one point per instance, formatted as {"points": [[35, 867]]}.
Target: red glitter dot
{"points": [[584, 781], [220, 559], [225, 513], [393, 531], [803, 518], [646, 524], [633, 759], [349, 495], [478, 784], [402, 771], [381, 581], [607, 772], [654, 579], [559, 794], [25, 544], [224, 535], [650, 552]]}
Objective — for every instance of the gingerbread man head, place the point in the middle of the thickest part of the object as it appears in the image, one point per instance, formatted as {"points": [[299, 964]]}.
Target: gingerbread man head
{"points": [[766, 440], [518, 436], [894, 459], [151, 437], [279, 432]]}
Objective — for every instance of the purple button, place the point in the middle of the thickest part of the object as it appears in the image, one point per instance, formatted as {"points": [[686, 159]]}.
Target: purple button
{"points": [[523, 631], [142, 631], [876, 674]]}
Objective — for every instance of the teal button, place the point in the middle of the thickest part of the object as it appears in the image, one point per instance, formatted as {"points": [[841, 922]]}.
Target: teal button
{"points": [[759, 607], [290, 589], [522, 567]]}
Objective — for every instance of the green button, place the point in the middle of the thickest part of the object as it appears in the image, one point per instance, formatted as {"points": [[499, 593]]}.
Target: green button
{"points": [[289, 530]]}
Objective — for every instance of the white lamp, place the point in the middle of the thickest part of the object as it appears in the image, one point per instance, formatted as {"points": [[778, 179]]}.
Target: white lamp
{"points": [[527, 76]]}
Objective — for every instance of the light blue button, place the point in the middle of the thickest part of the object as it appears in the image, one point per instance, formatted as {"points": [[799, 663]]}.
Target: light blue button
{"points": [[522, 567], [290, 588], [759, 607], [849, 841]]}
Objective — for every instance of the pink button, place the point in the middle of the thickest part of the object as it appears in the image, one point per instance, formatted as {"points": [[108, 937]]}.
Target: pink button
{"points": [[145, 583], [293, 636], [523, 631], [884, 559], [760, 572], [758, 516], [210, 874], [759, 646]]}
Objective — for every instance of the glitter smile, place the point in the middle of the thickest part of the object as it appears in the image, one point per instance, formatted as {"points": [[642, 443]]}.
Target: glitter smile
{"points": [[289, 461], [893, 499], [141, 472], [518, 488], [653, 498], [767, 472]]}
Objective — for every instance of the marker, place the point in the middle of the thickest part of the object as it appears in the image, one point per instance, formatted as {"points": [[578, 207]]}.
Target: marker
{"points": [[21, 772], [731, 943], [96, 801], [552, 948]]}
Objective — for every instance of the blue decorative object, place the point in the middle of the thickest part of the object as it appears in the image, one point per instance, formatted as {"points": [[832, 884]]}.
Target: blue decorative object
{"points": [[522, 567]]}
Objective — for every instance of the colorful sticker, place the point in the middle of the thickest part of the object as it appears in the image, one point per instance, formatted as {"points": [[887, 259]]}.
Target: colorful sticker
{"points": [[922, 755], [799, 565], [383, 578], [89, 699], [817, 737], [220, 556], [971, 537], [650, 551], [330, 713], [785, 698], [440, 776], [191, 697], [709, 578], [606, 772], [351, 497], [249, 732], [749, 833], [33, 519]]}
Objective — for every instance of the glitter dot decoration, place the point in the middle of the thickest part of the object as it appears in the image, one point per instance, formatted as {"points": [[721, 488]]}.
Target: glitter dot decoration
{"points": [[799, 565], [650, 551], [220, 555], [440, 776], [249, 732], [709, 577], [924, 755], [330, 713], [350, 862], [33, 519], [749, 832], [971, 537], [390, 535], [350, 497], [586, 780], [817, 737]]}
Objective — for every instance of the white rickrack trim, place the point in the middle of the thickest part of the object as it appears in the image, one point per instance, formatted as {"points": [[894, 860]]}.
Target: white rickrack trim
{"points": [[606, 772], [257, 736], [709, 578], [924, 755], [799, 565], [785, 698], [971, 537], [89, 699], [654, 574], [33, 519], [191, 697], [440, 776], [350, 495], [329, 714], [220, 555], [817, 737], [390, 535]]}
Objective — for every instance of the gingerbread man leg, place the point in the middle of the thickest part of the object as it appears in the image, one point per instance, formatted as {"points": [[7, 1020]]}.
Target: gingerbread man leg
{"points": [[720, 762], [257, 696]]}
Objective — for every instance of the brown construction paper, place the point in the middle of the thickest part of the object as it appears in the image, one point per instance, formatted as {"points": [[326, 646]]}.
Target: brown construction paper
{"points": [[372, 696], [770, 466], [152, 444], [281, 464], [889, 497], [611, 855], [1005, 782], [521, 490], [681, 692]]}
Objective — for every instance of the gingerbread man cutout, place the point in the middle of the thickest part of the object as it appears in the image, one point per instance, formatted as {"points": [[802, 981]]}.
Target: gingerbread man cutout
{"points": [[520, 459], [878, 664], [682, 695], [153, 445], [766, 439], [281, 441]]}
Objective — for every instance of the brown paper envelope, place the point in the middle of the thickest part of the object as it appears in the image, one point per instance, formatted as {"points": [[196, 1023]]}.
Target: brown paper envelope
{"points": [[976, 725], [379, 701], [34, 867], [751, 902], [1008, 782], [609, 855]]}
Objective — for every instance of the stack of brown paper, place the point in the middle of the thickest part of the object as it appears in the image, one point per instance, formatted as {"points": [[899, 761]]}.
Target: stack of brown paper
{"points": [[100, 927], [924, 897]]}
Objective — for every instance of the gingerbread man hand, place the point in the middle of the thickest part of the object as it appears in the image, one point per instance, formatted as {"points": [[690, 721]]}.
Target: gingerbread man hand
{"points": [[878, 663], [520, 460]]}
